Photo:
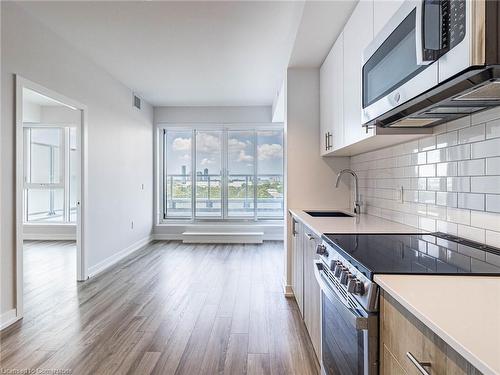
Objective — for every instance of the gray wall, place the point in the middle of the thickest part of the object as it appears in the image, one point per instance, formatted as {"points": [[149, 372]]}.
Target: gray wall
{"points": [[120, 141]]}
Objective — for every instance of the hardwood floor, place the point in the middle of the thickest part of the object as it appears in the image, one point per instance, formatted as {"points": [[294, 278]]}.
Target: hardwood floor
{"points": [[170, 308]]}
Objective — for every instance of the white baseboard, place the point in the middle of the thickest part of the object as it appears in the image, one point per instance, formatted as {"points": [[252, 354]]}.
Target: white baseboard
{"points": [[167, 237], [8, 318], [115, 258], [288, 291]]}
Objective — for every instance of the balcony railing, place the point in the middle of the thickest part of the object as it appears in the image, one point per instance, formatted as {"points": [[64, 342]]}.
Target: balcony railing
{"points": [[241, 201]]}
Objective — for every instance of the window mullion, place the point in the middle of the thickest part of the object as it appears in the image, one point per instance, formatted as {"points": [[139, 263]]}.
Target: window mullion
{"points": [[256, 160], [193, 174], [224, 175]]}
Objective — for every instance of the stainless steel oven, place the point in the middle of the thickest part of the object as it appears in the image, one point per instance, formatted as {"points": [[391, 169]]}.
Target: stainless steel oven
{"points": [[410, 66], [349, 333]]}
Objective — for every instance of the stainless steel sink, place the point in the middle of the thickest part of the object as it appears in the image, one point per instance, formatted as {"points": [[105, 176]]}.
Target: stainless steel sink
{"points": [[328, 214]]}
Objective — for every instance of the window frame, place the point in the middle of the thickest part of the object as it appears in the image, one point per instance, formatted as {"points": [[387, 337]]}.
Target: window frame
{"points": [[64, 171], [162, 129]]}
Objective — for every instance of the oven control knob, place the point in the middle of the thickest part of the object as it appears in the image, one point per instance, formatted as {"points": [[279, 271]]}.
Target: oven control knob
{"points": [[344, 276], [355, 286], [338, 269], [351, 284], [321, 250]]}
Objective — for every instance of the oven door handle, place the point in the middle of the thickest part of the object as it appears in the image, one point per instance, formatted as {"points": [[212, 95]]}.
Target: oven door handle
{"points": [[360, 322]]}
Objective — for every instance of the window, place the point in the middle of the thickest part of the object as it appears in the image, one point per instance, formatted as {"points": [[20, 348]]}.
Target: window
{"points": [[50, 175], [222, 174]]}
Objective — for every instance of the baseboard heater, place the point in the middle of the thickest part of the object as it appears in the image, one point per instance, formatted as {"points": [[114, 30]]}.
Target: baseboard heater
{"points": [[222, 237]]}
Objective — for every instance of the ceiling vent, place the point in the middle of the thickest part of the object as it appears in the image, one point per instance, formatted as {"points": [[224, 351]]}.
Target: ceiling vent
{"points": [[137, 102]]}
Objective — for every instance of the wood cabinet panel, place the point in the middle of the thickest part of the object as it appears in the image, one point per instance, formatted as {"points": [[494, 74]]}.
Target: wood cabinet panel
{"points": [[401, 332]]}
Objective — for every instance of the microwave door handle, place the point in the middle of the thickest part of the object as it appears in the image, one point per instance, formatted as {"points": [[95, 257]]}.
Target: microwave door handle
{"points": [[428, 19], [419, 33]]}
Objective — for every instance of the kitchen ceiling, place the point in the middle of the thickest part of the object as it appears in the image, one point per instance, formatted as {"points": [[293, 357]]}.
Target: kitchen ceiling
{"points": [[198, 53]]}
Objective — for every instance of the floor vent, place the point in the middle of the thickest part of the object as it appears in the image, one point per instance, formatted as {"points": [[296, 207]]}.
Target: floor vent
{"points": [[137, 102], [222, 237]]}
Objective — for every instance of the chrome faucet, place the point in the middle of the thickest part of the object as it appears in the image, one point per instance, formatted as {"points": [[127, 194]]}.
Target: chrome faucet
{"points": [[357, 200]]}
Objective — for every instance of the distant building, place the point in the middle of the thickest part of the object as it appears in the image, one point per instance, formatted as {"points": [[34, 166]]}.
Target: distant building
{"points": [[184, 174]]}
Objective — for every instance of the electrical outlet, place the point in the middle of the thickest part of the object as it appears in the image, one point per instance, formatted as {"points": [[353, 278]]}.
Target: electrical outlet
{"points": [[132, 224], [142, 186]]}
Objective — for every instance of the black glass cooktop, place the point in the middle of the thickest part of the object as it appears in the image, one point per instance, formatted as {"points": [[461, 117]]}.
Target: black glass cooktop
{"points": [[435, 253]]}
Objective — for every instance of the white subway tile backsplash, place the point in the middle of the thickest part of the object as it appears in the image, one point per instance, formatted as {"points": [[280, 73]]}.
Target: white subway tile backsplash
{"points": [[486, 149], [493, 166], [428, 170], [447, 227], [437, 184], [427, 224], [428, 197], [447, 169], [458, 184], [459, 216], [436, 156], [471, 167], [493, 203], [447, 139], [447, 199], [493, 238], [474, 234], [426, 144], [485, 184], [493, 129], [471, 201], [436, 212], [461, 152], [473, 134], [450, 180], [486, 220], [485, 116]]}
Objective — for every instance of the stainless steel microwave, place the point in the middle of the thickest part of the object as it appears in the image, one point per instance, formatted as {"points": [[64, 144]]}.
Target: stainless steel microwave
{"points": [[434, 61]]}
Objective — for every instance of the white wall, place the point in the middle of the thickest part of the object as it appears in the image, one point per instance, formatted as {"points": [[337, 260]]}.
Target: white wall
{"points": [[120, 140], [310, 179], [213, 115]]}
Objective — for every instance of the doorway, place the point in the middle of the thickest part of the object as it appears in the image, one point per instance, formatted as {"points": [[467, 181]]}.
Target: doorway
{"points": [[50, 185]]}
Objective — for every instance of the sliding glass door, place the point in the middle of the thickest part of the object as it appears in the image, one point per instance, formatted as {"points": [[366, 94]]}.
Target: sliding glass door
{"points": [[237, 174]]}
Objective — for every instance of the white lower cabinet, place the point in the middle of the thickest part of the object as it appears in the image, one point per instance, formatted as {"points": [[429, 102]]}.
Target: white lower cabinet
{"points": [[312, 291], [305, 287]]}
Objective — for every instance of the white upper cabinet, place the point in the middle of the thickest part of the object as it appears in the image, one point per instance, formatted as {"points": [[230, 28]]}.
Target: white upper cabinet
{"points": [[358, 33], [383, 10], [331, 99]]}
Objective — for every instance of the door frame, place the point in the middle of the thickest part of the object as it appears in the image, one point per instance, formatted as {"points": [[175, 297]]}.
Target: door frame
{"points": [[82, 187]]}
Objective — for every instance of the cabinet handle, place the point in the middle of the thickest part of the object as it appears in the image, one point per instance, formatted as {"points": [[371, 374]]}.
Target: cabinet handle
{"points": [[294, 232], [326, 141], [310, 236], [419, 365], [329, 140]]}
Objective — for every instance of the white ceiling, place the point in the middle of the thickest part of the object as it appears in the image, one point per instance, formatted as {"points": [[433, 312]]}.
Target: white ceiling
{"points": [[183, 53], [199, 53]]}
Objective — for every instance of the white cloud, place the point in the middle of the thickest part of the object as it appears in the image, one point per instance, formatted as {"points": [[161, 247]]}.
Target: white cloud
{"points": [[242, 156], [235, 144], [268, 151], [206, 142], [181, 144], [206, 161]]}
